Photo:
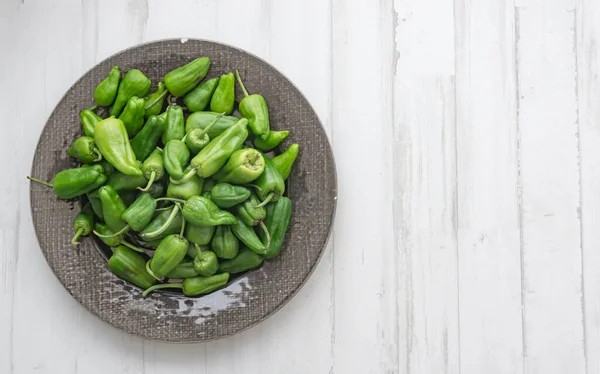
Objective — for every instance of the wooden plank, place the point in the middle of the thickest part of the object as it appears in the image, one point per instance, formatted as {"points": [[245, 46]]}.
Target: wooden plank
{"points": [[425, 187], [488, 203], [549, 171]]}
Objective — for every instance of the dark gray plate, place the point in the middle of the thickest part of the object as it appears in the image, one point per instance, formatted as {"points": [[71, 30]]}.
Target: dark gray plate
{"points": [[250, 298]]}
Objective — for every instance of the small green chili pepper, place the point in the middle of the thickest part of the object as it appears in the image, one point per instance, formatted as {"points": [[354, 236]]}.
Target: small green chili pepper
{"points": [[224, 243], [122, 182], [244, 261], [183, 79], [140, 212], [278, 219], [89, 119], [83, 224], [195, 286], [250, 211], [187, 189], [206, 263], [130, 266], [270, 184], [94, 199], [70, 183], [185, 269], [246, 235], [198, 98], [106, 91], [197, 139], [108, 237], [133, 116], [175, 125], [254, 108], [134, 83], [223, 98], [146, 140], [200, 235], [165, 223], [194, 249], [170, 252], [243, 167], [201, 120], [225, 195], [153, 168], [284, 161], [273, 140], [154, 102], [112, 209], [201, 211], [84, 149], [108, 168], [113, 142], [175, 158]]}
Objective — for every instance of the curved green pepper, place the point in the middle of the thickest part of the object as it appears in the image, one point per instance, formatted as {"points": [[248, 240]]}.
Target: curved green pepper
{"points": [[165, 223], [198, 98], [224, 243], [278, 219], [121, 182], [175, 125], [223, 98], [84, 149], [183, 79], [112, 208], [243, 167], [133, 115], [94, 199], [169, 253], [225, 195], [197, 139], [200, 211], [106, 91], [89, 119], [201, 120], [175, 158], [206, 263], [144, 143], [83, 224], [284, 161], [270, 183], [134, 83], [250, 211], [195, 286], [130, 266], [246, 235], [194, 249], [200, 235], [140, 212], [254, 108], [185, 269], [70, 183], [113, 142], [244, 261], [187, 189], [153, 168], [273, 140], [154, 102]]}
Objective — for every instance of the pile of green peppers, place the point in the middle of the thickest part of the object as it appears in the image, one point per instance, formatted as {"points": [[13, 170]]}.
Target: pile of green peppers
{"points": [[184, 190]]}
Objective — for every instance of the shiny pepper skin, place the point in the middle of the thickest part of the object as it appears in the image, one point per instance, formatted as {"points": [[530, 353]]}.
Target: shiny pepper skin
{"points": [[198, 98], [106, 91], [133, 116], [273, 140], [154, 102], [284, 161], [112, 140], [243, 167], [112, 208], [170, 252], [201, 120], [254, 108], [183, 79], [175, 124], [226, 195], [134, 83], [223, 98], [83, 224], [244, 261], [70, 183], [201, 211], [224, 243], [130, 266], [89, 119], [279, 215], [84, 149], [144, 143]]}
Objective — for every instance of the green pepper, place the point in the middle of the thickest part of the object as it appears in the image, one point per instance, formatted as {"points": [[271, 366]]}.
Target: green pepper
{"points": [[244, 261], [113, 142], [84, 149], [157, 190], [187, 189], [108, 237], [94, 199], [207, 195], [243, 167], [140, 212], [246, 235], [153, 243], [83, 224], [128, 197], [70, 183], [165, 223], [270, 184], [197, 139], [194, 249], [175, 158], [175, 125], [212, 157], [225, 195], [112, 208], [254, 108], [153, 168], [201, 120], [200, 235], [130, 266], [250, 211], [198, 98], [121, 182], [278, 219], [201, 211], [133, 115], [146, 140], [183, 79], [208, 185], [108, 168], [154, 102], [170, 252], [195, 286], [206, 263], [106, 91], [273, 140], [89, 119], [185, 269], [284, 161], [224, 243], [223, 98], [134, 83]]}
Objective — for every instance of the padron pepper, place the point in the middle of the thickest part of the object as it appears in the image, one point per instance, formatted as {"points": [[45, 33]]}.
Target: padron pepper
{"points": [[224, 243], [122, 182], [89, 119], [284, 161], [185, 269], [154, 102], [254, 108], [169, 253], [273, 140], [206, 263], [197, 139], [270, 184], [94, 199], [139, 214], [113, 142], [134, 83], [84, 149], [223, 98], [186, 189], [175, 124], [244, 261], [278, 219], [175, 158], [108, 168], [243, 167], [112, 209], [106, 91], [200, 235], [108, 237], [226, 195], [133, 115], [153, 168], [201, 120], [195, 286], [194, 249], [201, 211], [70, 183], [83, 224], [183, 79], [144, 143], [130, 266], [198, 98], [246, 235], [165, 223], [250, 211]]}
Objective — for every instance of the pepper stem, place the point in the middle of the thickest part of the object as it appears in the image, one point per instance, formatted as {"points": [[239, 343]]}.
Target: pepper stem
{"points": [[239, 79], [253, 186], [198, 248], [150, 181], [93, 108], [210, 125], [266, 231], [129, 245], [40, 182], [185, 178], [160, 230], [265, 201], [77, 235], [157, 99], [161, 286], [120, 232], [151, 272], [171, 199], [182, 227], [98, 156]]}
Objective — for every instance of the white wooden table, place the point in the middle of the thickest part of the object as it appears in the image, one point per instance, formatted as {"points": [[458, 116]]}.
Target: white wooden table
{"points": [[467, 141]]}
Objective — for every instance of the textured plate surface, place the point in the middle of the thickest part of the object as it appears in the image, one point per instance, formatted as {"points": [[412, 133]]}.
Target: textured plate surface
{"points": [[250, 298]]}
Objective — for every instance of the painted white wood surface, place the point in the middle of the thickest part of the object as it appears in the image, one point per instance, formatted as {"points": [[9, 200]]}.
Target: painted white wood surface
{"points": [[467, 141]]}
